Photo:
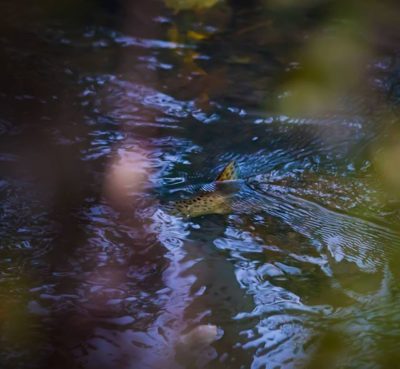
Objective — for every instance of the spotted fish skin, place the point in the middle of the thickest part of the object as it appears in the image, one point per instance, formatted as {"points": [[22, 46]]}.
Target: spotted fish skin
{"points": [[229, 173], [202, 204], [217, 201]]}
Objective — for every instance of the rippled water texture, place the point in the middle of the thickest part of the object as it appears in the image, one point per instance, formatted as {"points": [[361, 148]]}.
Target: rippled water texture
{"points": [[109, 110]]}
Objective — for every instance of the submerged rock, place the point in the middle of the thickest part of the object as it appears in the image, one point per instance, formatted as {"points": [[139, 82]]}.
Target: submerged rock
{"points": [[200, 337]]}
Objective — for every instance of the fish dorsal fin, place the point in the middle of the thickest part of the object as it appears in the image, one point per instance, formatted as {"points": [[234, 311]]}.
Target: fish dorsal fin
{"points": [[229, 173]]}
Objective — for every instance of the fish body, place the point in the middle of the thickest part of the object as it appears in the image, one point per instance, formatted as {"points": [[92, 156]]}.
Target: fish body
{"points": [[215, 198]]}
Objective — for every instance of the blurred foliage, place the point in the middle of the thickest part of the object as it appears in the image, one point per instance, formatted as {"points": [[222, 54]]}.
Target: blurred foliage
{"points": [[190, 4], [386, 156], [329, 69]]}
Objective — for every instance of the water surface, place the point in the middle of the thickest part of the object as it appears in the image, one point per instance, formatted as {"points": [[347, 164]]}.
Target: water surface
{"points": [[109, 110]]}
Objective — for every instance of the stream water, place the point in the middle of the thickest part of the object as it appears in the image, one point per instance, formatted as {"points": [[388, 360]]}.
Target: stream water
{"points": [[110, 109]]}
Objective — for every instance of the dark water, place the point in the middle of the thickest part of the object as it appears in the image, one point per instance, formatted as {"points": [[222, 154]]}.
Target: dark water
{"points": [[109, 109]]}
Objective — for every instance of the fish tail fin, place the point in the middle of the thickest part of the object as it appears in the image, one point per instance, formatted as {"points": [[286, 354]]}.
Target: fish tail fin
{"points": [[229, 173]]}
